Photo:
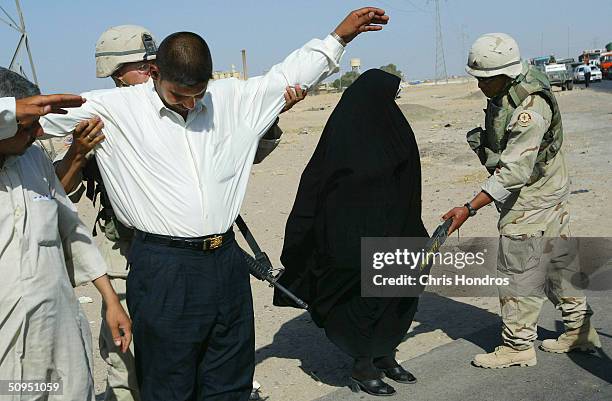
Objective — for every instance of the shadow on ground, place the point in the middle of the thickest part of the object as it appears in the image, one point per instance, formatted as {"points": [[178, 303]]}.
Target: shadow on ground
{"points": [[302, 340]]}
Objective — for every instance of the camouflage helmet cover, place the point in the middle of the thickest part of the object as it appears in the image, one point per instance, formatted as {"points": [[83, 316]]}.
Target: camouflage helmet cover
{"points": [[495, 54], [123, 44]]}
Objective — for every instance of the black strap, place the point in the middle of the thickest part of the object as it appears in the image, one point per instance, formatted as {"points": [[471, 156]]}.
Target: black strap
{"points": [[248, 236], [261, 267], [265, 265]]}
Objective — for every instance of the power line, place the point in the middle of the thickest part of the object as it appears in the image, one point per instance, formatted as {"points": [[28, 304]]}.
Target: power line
{"points": [[416, 7], [440, 69], [568, 41], [464, 38], [15, 64], [402, 10]]}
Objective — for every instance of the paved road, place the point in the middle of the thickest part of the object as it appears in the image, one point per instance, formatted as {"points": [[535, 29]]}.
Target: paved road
{"points": [[604, 85], [446, 374]]}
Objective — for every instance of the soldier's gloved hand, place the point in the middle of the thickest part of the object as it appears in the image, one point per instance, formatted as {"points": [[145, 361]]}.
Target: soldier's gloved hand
{"points": [[475, 139]]}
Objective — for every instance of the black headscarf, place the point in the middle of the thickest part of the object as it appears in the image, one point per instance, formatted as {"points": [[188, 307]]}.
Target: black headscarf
{"points": [[363, 180]]}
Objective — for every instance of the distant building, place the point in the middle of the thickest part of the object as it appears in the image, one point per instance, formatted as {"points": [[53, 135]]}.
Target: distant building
{"points": [[227, 74], [325, 87], [356, 65]]}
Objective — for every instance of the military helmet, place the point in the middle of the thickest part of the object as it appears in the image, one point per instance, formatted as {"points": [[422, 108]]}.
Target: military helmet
{"points": [[494, 54], [123, 44]]}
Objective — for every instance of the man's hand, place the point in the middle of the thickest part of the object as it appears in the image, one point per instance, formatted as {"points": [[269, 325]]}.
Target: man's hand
{"points": [[86, 136], [119, 324], [116, 318], [459, 216], [30, 108], [293, 95], [363, 20]]}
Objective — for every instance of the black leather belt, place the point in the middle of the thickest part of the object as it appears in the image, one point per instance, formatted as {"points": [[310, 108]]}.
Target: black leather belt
{"points": [[207, 243]]}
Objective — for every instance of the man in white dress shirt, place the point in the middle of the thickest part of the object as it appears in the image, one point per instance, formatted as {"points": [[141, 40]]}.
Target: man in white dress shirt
{"points": [[124, 53], [176, 161]]}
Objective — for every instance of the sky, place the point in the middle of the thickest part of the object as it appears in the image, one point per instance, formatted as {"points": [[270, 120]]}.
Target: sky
{"points": [[63, 33]]}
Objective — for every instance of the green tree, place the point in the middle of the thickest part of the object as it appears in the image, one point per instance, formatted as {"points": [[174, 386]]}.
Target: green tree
{"points": [[392, 69], [347, 79]]}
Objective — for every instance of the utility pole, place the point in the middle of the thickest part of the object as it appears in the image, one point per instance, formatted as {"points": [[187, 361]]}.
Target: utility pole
{"points": [[15, 64], [440, 70], [542, 44], [23, 42], [464, 37], [245, 73], [568, 41]]}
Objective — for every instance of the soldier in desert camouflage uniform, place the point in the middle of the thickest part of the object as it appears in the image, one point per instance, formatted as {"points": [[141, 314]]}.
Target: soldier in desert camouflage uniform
{"points": [[521, 148]]}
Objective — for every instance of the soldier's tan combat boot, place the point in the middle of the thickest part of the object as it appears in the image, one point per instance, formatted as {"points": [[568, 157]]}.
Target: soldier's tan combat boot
{"points": [[504, 357], [584, 339]]}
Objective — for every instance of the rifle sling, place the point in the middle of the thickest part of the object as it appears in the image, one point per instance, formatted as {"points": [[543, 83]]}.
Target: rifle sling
{"points": [[260, 256]]}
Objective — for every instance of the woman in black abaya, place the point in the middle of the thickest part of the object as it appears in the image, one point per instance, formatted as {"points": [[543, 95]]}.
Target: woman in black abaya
{"points": [[363, 180]]}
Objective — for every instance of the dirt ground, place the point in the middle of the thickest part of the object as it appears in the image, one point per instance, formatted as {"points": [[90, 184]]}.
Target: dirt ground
{"points": [[295, 361]]}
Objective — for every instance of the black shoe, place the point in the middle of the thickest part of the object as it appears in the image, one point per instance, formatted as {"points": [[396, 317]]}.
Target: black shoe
{"points": [[373, 387], [400, 375]]}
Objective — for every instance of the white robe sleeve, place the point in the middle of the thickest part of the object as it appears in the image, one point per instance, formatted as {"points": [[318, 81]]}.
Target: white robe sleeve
{"points": [[262, 98], [8, 118]]}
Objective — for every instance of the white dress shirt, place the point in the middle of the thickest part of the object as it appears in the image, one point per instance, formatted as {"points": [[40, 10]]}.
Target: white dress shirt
{"points": [[44, 250], [8, 121], [165, 175]]}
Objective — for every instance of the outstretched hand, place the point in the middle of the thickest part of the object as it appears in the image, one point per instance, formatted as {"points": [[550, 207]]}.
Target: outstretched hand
{"points": [[30, 108], [363, 20]]}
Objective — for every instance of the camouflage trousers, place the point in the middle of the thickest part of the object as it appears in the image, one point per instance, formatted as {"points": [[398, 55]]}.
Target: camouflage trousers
{"points": [[539, 260], [121, 383]]}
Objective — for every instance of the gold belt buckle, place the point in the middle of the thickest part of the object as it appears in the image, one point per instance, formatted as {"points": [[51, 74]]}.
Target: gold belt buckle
{"points": [[213, 242]]}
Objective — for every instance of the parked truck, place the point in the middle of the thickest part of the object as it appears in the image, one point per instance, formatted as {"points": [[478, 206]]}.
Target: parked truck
{"points": [[605, 63], [559, 74]]}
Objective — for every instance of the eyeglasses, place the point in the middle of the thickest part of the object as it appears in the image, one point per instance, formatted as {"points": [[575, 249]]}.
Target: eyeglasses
{"points": [[144, 67]]}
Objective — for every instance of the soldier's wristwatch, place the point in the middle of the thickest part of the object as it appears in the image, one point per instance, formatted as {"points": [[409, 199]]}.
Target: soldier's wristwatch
{"points": [[471, 210]]}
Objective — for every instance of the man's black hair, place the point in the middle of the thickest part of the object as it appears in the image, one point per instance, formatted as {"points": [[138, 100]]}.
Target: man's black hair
{"points": [[14, 85], [184, 58]]}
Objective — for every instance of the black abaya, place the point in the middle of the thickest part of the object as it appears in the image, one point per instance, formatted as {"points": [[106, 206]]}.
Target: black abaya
{"points": [[363, 180]]}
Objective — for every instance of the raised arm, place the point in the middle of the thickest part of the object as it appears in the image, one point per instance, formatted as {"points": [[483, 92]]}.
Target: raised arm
{"points": [[60, 125], [262, 98]]}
